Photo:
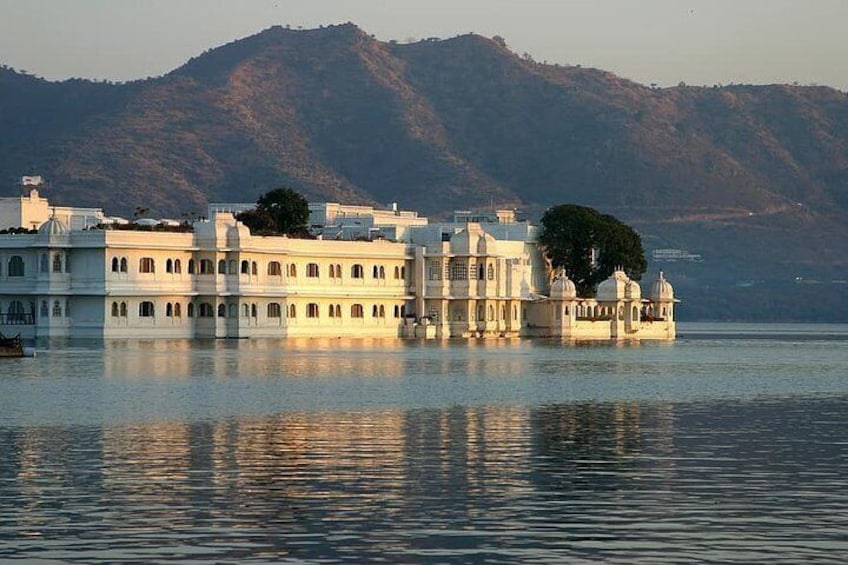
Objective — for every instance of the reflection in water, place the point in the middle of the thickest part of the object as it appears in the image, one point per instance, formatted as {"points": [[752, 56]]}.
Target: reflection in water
{"points": [[662, 482]]}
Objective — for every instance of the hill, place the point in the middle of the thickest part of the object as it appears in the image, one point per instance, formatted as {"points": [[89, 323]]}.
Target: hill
{"points": [[754, 179]]}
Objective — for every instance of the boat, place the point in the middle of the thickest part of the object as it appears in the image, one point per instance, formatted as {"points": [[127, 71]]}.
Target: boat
{"points": [[13, 347]]}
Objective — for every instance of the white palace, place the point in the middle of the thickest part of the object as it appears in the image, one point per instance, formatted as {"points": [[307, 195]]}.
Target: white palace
{"points": [[384, 273]]}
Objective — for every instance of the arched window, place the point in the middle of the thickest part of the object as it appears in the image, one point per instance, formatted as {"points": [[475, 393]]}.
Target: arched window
{"points": [[338, 310], [382, 311], [245, 267], [382, 272], [481, 312], [115, 264], [481, 271], [191, 266], [178, 266], [222, 310], [16, 266], [207, 267], [332, 271], [190, 310], [332, 309], [396, 311], [253, 310], [169, 310], [222, 267], [57, 263], [16, 311], [311, 310], [123, 309], [254, 268], [374, 311], [397, 272], [356, 311], [357, 271], [274, 270], [292, 270], [274, 310], [245, 310], [206, 310], [402, 311], [123, 264], [312, 270], [146, 265], [114, 309], [169, 268], [403, 272], [145, 309], [338, 271], [374, 272], [491, 312], [178, 310], [232, 267], [292, 311], [491, 272]]}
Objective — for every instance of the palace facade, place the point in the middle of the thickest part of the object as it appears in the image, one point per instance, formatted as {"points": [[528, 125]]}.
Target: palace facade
{"points": [[215, 279]]}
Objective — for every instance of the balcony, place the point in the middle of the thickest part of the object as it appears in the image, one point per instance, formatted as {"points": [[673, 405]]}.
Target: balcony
{"points": [[15, 319]]}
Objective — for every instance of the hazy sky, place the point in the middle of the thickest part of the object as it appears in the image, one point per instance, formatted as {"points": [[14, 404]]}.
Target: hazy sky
{"points": [[662, 41]]}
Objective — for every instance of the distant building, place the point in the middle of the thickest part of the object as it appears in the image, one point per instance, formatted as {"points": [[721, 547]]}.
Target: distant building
{"points": [[453, 279], [31, 210]]}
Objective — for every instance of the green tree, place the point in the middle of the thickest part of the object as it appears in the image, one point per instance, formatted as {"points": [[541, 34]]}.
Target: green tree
{"points": [[572, 234], [280, 211]]}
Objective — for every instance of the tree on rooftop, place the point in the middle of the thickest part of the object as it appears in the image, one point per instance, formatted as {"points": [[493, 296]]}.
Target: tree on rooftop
{"points": [[280, 211], [572, 235]]}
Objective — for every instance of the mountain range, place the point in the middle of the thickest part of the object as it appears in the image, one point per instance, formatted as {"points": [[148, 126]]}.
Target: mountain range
{"points": [[751, 182]]}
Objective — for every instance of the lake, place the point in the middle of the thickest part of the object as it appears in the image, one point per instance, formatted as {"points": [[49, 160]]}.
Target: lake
{"points": [[728, 445]]}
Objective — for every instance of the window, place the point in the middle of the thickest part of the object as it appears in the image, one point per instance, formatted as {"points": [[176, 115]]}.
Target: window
{"points": [[274, 309], [245, 267], [292, 311], [382, 311], [57, 263], [335, 271], [123, 264], [45, 310], [178, 310], [114, 309], [115, 264], [254, 268], [190, 310], [222, 267], [253, 310], [274, 271], [434, 271], [357, 272], [403, 272], [374, 311], [491, 272], [375, 273], [292, 270], [123, 309], [146, 265], [206, 310], [16, 266], [458, 270], [338, 310], [332, 309], [207, 267], [382, 272], [191, 266], [311, 310], [481, 271], [169, 310], [396, 311], [356, 311], [178, 266], [397, 272], [231, 267], [312, 270], [146, 309], [245, 310], [169, 267], [222, 310]]}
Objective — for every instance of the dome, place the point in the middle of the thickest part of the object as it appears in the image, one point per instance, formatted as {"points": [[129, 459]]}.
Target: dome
{"points": [[53, 227], [563, 287], [661, 290], [633, 291], [614, 288]]}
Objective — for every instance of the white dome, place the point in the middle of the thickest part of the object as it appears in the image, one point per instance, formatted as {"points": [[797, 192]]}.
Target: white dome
{"points": [[661, 290], [53, 227], [614, 288], [563, 287]]}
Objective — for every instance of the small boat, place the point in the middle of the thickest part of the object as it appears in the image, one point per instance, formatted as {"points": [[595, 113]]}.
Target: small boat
{"points": [[13, 347]]}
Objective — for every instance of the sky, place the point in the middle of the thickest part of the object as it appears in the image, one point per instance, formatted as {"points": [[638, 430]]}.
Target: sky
{"points": [[699, 42]]}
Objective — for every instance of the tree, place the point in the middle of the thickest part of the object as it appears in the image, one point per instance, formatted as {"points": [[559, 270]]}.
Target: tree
{"points": [[571, 235], [281, 211]]}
